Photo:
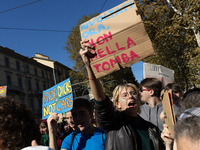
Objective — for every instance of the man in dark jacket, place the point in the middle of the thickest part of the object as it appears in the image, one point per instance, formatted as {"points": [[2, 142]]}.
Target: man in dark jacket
{"points": [[125, 129]]}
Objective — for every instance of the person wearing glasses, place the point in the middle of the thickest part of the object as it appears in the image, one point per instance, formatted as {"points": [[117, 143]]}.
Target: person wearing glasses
{"points": [[85, 136], [124, 128], [150, 89]]}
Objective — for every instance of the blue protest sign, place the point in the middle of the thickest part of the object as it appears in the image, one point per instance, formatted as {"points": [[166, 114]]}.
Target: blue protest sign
{"points": [[58, 98]]}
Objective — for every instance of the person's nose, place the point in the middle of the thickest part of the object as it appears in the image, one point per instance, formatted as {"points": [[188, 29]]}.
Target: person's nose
{"points": [[71, 120], [41, 131], [130, 95]]}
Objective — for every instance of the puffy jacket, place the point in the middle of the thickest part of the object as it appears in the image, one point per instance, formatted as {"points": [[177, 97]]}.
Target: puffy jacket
{"points": [[119, 134]]}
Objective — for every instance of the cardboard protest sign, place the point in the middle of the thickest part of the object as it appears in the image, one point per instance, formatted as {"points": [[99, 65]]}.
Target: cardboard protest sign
{"points": [[168, 109], [3, 90], [58, 98], [119, 38], [164, 74]]}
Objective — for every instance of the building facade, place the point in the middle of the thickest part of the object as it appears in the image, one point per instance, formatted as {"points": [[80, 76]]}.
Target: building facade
{"points": [[27, 78]]}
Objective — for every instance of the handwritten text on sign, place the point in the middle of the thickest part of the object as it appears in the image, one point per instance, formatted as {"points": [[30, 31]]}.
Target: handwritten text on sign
{"points": [[164, 74], [119, 38], [89, 28], [103, 52], [58, 99]]}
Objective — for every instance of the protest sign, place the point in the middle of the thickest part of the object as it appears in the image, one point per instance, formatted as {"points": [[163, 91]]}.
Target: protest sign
{"points": [[168, 109], [58, 98], [3, 90], [164, 74], [119, 38]]}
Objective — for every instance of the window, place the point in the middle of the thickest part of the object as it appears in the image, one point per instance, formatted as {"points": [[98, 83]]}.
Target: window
{"points": [[29, 85], [7, 62], [50, 76], [43, 73], [44, 86], [35, 71], [17, 65], [8, 80], [37, 85], [27, 69], [66, 74], [40, 104], [20, 83], [32, 104], [52, 84], [22, 100]]}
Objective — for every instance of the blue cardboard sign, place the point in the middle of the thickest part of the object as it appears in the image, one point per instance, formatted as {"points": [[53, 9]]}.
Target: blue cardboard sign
{"points": [[58, 98]]}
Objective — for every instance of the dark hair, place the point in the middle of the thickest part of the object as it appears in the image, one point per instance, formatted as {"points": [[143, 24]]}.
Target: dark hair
{"points": [[17, 124], [190, 91], [153, 84], [81, 102], [61, 126], [42, 121], [174, 87], [191, 99], [188, 128]]}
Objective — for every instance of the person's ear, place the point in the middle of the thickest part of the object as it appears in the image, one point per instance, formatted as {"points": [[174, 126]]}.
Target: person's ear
{"points": [[118, 105], [151, 92], [91, 115]]}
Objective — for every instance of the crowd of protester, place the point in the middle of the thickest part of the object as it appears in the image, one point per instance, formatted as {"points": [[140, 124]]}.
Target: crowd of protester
{"points": [[133, 119]]}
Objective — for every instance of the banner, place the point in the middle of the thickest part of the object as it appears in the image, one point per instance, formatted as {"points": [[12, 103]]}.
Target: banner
{"points": [[119, 38], [3, 90], [164, 74], [58, 98]]}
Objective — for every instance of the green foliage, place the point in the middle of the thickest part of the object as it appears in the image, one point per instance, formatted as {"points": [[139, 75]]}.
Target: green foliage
{"points": [[80, 73], [73, 47], [174, 44]]}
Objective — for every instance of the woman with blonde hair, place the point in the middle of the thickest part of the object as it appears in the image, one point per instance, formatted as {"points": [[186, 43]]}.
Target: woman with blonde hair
{"points": [[119, 88]]}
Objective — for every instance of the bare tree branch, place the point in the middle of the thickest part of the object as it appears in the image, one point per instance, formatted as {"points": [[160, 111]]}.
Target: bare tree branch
{"points": [[176, 10]]}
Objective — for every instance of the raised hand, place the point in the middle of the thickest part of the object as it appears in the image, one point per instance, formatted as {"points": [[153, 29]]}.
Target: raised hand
{"points": [[52, 126], [166, 136], [52, 122], [87, 51]]}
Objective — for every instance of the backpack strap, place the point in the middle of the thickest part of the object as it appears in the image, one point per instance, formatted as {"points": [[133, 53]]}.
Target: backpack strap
{"points": [[103, 133], [74, 134]]}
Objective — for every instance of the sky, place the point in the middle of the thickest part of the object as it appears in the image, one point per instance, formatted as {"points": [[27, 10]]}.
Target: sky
{"points": [[42, 26]]}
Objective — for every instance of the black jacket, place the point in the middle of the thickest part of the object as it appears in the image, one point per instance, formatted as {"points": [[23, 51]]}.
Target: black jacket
{"points": [[119, 134]]}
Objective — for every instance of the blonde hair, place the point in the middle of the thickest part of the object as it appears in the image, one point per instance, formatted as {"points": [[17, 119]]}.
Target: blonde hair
{"points": [[119, 88]]}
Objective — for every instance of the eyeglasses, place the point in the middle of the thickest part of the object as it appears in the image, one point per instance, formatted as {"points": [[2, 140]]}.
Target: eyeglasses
{"points": [[132, 93], [80, 114], [141, 90]]}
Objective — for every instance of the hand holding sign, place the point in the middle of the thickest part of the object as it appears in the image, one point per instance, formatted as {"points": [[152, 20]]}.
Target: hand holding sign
{"points": [[87, 51], [52, 122], [166, 136]]}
